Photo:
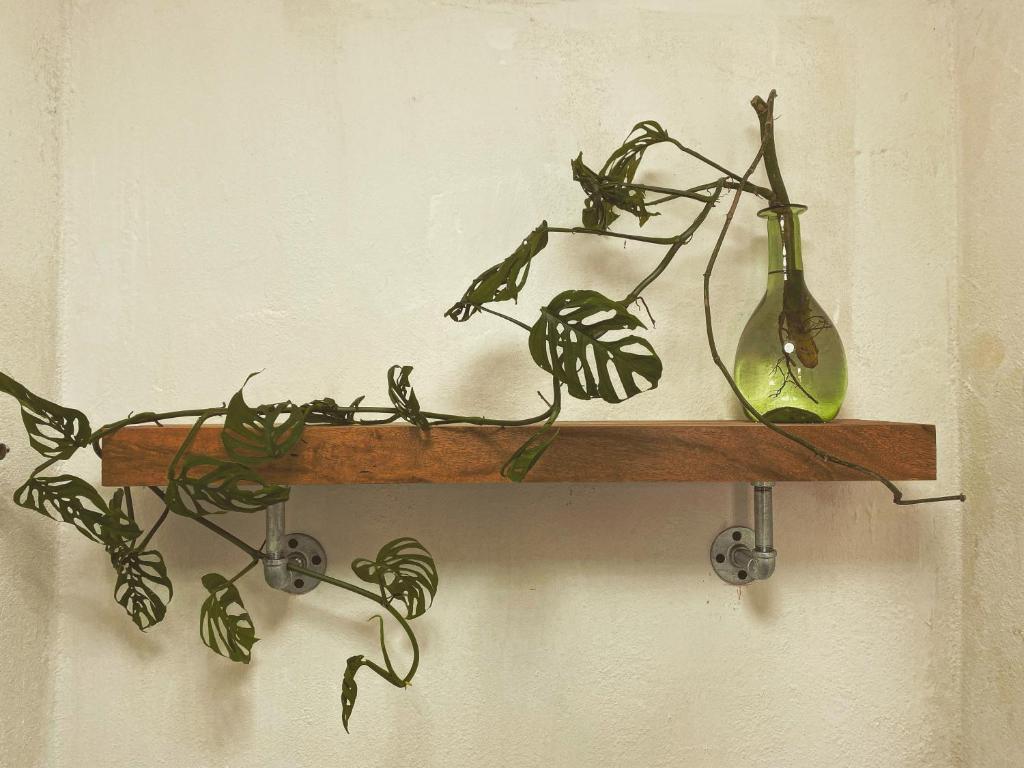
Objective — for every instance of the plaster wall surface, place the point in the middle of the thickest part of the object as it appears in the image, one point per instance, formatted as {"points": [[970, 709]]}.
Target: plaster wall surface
{"points": [[991, 37], [31, 45], [304, 187]]}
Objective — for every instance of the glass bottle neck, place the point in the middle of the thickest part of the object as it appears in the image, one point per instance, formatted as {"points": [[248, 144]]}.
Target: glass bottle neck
{"points": [[784, 256]]}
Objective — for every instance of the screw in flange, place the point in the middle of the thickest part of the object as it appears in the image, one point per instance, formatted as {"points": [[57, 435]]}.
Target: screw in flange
{"points": [[721, 554], [305, 551], [4, 450]]}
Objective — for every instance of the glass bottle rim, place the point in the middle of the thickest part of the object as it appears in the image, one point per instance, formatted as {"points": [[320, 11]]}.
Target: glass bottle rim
{"points": [[774, 211]]}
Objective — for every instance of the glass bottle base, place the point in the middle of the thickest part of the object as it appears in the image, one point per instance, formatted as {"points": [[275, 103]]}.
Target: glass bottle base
{"points": [[791, 416]]}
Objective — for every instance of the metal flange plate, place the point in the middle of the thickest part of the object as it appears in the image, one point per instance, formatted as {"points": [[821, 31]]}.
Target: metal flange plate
{"points": [[307, 552], [722, 547]]}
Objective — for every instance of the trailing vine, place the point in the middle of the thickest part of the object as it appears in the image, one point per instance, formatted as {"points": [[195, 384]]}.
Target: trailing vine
{"points": [[589, 344]]}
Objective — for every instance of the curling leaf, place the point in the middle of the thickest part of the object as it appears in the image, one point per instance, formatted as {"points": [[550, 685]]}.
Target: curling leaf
{"points": [[349, 689], [503, 281], [403, 396], [529, 453], [327, 411], [143, 588], [578, 338], [404, 571], [54, 431], [224, 625], [72, 500], [623, 163], [605, 191], [252, 436], [204, 485]]}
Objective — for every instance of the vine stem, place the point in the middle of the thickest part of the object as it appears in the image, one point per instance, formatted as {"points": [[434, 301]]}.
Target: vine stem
{"points": [[607, 233], [897, 494], [678, 242], [400, 682], [244, 571], [743, 182], [208, 413], [156, 527], [258, 556], [503, 316], [692, 194], [728, 184], [224, 534]]}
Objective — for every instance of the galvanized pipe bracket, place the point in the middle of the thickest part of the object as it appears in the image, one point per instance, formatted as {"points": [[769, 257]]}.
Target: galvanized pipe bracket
{"points": [[741, 555], [290, 548]]}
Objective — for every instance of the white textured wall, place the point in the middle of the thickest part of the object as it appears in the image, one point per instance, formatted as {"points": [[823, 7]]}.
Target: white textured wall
{"points": [[305, 186], [991, 37], [30, 66]]}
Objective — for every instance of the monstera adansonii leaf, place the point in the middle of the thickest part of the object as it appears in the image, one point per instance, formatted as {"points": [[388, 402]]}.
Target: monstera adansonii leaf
{"points": [[72, 500], [404, 571], [54, 431], [349, 688], [503, 281], [255, 436], [529, 453], [582, 339], [143, 587], [205, 485], [403, 396], [605, 191], [224, 625]]}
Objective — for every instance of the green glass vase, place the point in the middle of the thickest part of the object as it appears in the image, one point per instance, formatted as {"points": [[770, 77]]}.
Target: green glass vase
{"points": [[790, 363]]}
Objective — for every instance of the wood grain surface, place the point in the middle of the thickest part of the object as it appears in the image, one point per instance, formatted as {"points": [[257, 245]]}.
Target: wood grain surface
{"points": [[584, 452]]}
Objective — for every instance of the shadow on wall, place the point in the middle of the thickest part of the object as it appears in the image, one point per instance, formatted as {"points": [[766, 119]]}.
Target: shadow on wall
{"points": [[537, 535]]}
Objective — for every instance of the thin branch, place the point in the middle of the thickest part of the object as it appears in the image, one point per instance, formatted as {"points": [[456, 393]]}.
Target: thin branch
{"points": [[226, 535], [156, 527], [129, 503], [355, 588], [670, 192], [608, 233], [244, 571], [146, 418], [189, 439], [392, 415], [897, 494], [743, 180], [679, 242], [496, 313], [766, 116], [380, 600], [44, 466]]}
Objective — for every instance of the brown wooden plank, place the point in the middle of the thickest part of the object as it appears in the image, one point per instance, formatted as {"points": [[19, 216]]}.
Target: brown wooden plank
{"points": [[585, 452]]}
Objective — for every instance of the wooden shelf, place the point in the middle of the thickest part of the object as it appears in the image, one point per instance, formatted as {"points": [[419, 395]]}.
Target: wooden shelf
{"points": [[585, 452]]}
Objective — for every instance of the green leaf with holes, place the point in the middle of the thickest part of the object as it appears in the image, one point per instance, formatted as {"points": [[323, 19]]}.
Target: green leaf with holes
{"points": [[609, 190], [254, 436], [503, 281], [581, 339], [54, 431], [224, 625], [403, 396], [72, 500], [143, 587], [405, 571], [529, 453], [205, 485], [349, 689]]}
